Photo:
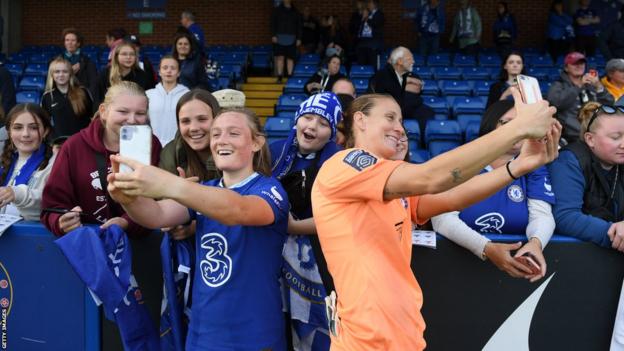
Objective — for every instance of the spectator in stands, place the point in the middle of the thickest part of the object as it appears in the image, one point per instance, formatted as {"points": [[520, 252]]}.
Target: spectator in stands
{"points": [[164, 98], [295, 162], [430, 22], [192, 64], [7, 89], [345, 90], [114, 37], [84, 69], [241, 221], [333, 42], [310, 32], [324, 79], [612, 38], [68, 103], [361, 198], [187, 20], [513, 65], [26, 161], [524, 206], [344, 86], [143, 62], [574, 89], [614, 80], [354, 27], [560, 31], [586, 19], [467, 29], [396, 79], [370, 36], [286, 32], [586, 178], [504, 29], [124, 67], [78, 178]]}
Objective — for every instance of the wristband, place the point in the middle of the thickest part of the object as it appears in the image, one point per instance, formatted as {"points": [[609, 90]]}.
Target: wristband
{"points": [[509, 171]]}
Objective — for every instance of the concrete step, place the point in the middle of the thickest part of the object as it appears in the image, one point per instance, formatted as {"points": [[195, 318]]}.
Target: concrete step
{"points": [[263, 80], [260, 103], [262, 87], [263, 94], [263, 111]]}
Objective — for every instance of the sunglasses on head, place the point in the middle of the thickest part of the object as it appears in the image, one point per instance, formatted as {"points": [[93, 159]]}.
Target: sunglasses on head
{"points": [[607, 109]]}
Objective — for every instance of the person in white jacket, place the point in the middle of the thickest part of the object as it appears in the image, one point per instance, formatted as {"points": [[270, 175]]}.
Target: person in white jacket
{"points": [[26, 161], [164, 98]]}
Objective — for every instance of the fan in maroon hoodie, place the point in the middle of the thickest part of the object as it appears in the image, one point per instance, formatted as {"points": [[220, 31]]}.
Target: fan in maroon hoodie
{"points": [[74, 183]]}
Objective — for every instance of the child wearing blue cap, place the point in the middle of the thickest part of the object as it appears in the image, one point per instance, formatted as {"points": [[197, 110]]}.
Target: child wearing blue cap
{"points": [[295, 163]]}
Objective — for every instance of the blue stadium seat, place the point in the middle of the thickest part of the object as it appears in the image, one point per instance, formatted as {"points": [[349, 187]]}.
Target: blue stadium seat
{"points": [[472, 131], [309, 59], [441, 117], [234, 58], [16, 79], [412, 129], [465, 119], [477, 73], [544, 87], [455, 88], [442, 130], [40, 58], [32, 83], [554, 74], [540, 73], [14, 68], [481, 87], [25, 96], [18, 57], [104, 56], [596, 61], [289, 102], [92, 55], [276, 127], [543, 61], [286, 114], [419, 60], [295, 85], [464, 61], [224, 83], [468, 105], [447, 72], [361, 85], [430, 88], [437, 147], [418, 156], [260, 60], [489, 60], [423, 72], [437, 104], [264, 48], [39, 69], [232, 70], [441, 59], [304, 70], [361, 71]]}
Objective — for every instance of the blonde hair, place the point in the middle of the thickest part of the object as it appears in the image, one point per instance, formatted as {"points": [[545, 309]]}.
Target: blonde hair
{"points": [[262, 158], [364, 104], [115, 70], [123, 87], [585, 114], [75, 94]]}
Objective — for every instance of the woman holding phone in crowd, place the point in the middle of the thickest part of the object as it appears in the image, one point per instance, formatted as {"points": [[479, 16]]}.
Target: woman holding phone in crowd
{"points": [[522, 206], [296, 161], [361, 200], [241, 221], [26, 161], [77, 178], [69, 104], [513, 65]]}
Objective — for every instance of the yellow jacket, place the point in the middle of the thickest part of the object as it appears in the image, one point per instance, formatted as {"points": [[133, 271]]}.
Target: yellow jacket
{"points": [[614, 90]]}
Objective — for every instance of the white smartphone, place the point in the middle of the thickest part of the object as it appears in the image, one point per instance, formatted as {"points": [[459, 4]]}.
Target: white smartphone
{"points": [[135, 142], [530, 89]]}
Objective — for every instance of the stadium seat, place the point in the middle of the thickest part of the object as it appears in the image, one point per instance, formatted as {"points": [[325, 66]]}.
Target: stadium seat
{"points": [[276, 127], [554, 74], [40, 58], [544, 87], [418, 156], [289, 102], [309, 59], [437, 104], [264, 48], [543, 61], [422, 72], [540, 73], [39, 69], [18, 57], [477, 73], [441, 117], [32, 83], [447, 73], [412, 129], [14, 68], [295, 85], [419, 60], [260, 60], [489, 60], [361, 71], [361, 85], [233, 71], [464, 120], [438, 60], [16, 79], [481, 88], [224, 82], [472, 131], [104, 56], [455, 88], [305, 71], [286, 114], [437, 147], [468, 105], [442, 130], [430, 88], [234, 58], [25, 96], [464, 61]]}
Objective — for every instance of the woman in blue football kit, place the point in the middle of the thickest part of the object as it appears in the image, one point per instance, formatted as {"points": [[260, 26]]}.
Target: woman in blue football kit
{"points": [[241, 218], [524, 206]]}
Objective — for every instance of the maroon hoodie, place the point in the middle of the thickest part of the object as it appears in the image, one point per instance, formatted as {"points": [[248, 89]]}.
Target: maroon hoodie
{"points": [[74, 181]]}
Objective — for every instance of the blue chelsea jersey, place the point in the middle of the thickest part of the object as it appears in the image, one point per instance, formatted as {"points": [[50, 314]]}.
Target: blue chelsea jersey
{"points": [[237, 302], [506, 212]]}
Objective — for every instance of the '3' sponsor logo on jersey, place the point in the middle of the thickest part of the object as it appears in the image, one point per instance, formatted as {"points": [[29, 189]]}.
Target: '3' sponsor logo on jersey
{"points": [[215, 266]]}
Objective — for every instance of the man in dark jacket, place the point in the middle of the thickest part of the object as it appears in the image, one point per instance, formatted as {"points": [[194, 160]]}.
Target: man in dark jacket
{"points": [[612, 38], [370, 34], [84, 69], [396, 79]]}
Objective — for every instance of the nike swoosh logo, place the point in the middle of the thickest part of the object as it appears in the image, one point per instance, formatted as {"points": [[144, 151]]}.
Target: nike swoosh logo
{"points": [[513, 334]]}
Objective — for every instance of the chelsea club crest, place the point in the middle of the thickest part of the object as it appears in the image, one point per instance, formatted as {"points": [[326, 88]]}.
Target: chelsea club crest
{"points": [[515, 193]]}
